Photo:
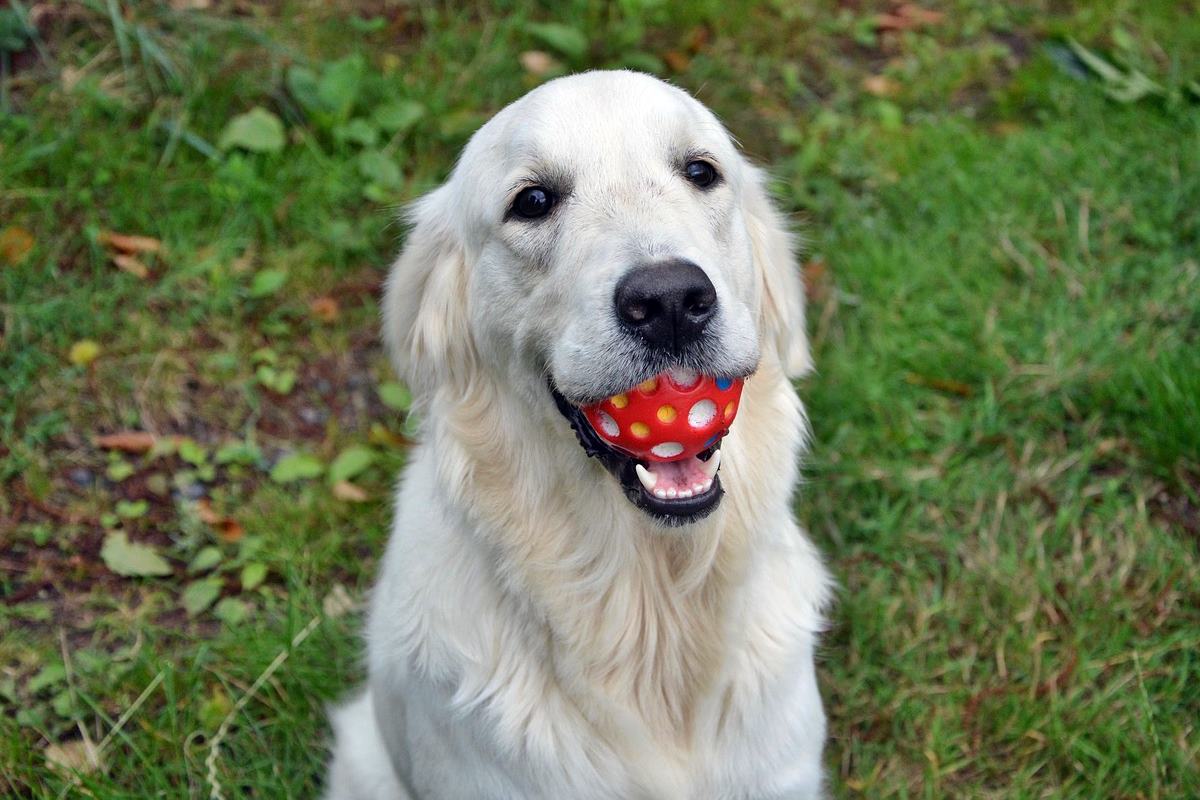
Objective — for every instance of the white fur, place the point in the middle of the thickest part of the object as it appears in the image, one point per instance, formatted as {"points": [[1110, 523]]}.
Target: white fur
{"points": [[533, 634]]}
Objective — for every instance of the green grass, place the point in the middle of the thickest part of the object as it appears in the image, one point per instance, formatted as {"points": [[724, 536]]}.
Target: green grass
{"points": [[1005, 306]]}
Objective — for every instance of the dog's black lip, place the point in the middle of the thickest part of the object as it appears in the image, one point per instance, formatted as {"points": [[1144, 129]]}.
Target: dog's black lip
{"points": [[679, 511]]}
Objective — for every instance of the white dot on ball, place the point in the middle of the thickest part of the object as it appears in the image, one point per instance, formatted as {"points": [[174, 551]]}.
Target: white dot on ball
{"points": [[667, 449], [609, 425], [702, 413], [684, 378]]}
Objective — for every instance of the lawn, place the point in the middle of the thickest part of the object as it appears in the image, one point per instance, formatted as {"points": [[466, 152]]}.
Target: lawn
{"points": [[199, 432]]}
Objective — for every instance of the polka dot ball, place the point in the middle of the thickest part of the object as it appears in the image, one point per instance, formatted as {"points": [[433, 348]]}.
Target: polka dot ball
{"points": [[670, 417]]}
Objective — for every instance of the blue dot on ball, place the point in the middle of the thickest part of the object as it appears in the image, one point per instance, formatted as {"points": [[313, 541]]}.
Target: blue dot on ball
{"points": [[724, 383]]}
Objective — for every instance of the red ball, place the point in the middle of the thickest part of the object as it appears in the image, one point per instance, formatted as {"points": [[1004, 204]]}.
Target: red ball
{"points": [[673, 416]]}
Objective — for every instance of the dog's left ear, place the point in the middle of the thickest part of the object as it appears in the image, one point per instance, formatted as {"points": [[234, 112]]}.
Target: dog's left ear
{"points": [[781, 316]]}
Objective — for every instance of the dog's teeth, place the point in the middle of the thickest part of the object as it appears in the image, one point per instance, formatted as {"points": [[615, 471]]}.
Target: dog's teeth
{"points": [[698, 488], [685, 492], [706, 486], [672, 493], [648, 478], [710, 467], [661, 494]]}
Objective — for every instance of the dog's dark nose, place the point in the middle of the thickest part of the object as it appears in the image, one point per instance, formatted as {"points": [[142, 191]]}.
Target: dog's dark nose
{"points": [[667, 304]]}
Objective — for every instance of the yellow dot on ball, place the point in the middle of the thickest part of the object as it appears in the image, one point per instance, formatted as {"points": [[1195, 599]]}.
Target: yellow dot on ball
{"points": [[729, 409], [667, 413], [619, 400], [640, 429], [648, 386]]}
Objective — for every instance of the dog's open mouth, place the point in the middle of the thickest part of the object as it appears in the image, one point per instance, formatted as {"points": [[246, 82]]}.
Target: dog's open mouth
{"points": [[675, 492]]}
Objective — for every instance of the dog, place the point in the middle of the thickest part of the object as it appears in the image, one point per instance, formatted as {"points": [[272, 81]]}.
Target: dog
{"points": [[545, 626]]}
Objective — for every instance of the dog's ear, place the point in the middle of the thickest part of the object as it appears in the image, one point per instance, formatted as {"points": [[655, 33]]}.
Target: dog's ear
{"points": [[425, 322], [782, 309]]}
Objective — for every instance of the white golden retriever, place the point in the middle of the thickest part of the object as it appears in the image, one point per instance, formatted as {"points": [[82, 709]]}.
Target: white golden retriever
{"points": [[544, 626]]}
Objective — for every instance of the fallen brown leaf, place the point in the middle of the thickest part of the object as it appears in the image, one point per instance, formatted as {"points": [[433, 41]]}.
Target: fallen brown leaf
{"points": [[230, 530], [70, 77], [908, 17], [880, 86], [349, 492], [677, 61], [227, 528], [324, 308], [128, 243], [77, 755], [127, 441], [892, 22], [131, 265], [338, 602], [537, 62], [380, 435], [947, 385], [15, 244], [816, 280], [919, 15], [204, 511], [697, 38]]}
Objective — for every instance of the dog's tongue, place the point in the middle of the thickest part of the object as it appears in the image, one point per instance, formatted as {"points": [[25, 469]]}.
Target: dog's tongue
{"points": [[671, 417]]}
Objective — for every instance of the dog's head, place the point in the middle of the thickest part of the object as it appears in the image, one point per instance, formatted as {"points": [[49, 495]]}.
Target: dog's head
{"points": [[599, 231]]}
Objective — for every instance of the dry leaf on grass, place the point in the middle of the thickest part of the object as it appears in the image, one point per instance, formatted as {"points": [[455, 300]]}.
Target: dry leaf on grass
{"points": [[349, 492], [338, 602], [908, 17], [131, 265], [919, 15], [677, 61], [698, 38], [129, 243], [880, 86], [380, 435], [125, 248], [324, 308], [228, 529], [204, 511], [77, 755], [70, 77], [537, 62], [127, 441], [948, 385], [15, 244], [816, 281]]}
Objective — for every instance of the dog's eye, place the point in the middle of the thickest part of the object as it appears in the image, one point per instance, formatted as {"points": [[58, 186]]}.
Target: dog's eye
{"points": [[701, 173], [533, 202]]}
